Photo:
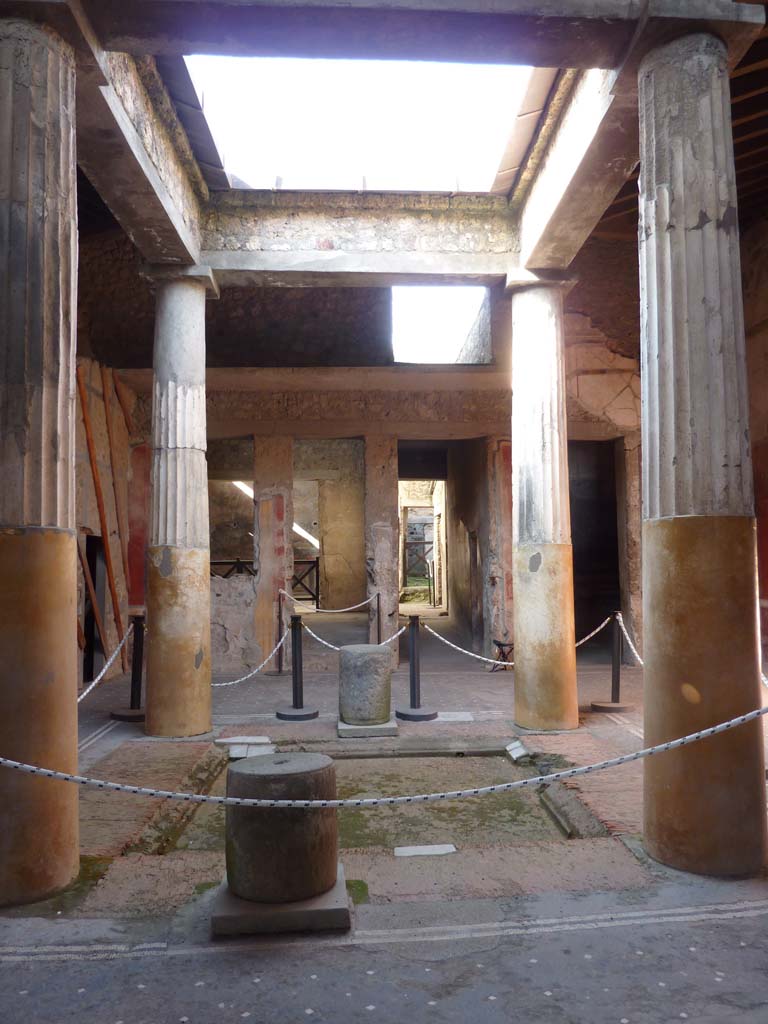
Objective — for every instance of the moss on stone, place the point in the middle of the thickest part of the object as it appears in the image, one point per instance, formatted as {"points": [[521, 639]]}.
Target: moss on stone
{"points": [[358, 891]]}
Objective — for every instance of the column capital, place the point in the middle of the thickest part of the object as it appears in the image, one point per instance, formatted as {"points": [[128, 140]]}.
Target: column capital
{"points": [[543, 279], [164, 273], [672, 51]]}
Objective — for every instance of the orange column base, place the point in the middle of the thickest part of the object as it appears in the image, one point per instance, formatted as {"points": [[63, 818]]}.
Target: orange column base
{"points": [[545, 653], [39, 833], [178, 701], [704, 805]]}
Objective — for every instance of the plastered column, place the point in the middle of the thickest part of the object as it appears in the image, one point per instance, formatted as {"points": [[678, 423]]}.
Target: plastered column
{"points": [[545, 655], [38, 582], [273, 539], [178, 569], [704, 804], [498, 591], [382, 534]]}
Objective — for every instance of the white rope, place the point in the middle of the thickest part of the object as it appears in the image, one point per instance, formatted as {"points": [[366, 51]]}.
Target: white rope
{"points": [[628, 638], [108, 665], [393, 637], [594, 632], [504, 787], [470, 654], [492, 661], [328, 611], [269, 658], [320, 639], [334, 648]]}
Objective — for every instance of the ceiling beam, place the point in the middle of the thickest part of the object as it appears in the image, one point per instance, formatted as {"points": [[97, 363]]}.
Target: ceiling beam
{"points": [[543, 33], [357, 238]]}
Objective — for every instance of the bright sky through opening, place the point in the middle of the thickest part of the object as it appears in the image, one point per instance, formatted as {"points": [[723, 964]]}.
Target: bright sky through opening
{"points": [[431, 323], [335, 124]]}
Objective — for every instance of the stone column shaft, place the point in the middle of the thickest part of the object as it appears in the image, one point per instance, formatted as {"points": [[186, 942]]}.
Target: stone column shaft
{"points": [[273, 540], [704, 804], [38, 266], [178, 572], [382, 542], [545, 655]]}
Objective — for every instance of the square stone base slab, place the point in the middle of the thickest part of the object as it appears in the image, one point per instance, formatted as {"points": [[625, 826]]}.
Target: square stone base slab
{"points": [[234, 916], [356, 731]]}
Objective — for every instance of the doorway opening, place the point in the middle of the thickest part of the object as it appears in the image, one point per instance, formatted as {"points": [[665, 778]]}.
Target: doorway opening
{"points": [[422, 546], [93, 653], [594, 531]]}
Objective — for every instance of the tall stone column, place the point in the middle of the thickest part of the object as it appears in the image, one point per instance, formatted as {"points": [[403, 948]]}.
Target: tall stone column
{"points": [[545, 655], [273, 540], [382, 541], [704, 804], [178, 569], [499, 590], [38, 578]]}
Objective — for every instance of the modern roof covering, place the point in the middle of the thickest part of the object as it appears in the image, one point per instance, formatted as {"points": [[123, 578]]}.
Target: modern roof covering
{"points": [[182, 92]]}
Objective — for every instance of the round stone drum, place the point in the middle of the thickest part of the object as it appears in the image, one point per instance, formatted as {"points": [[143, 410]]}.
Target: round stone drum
{"points": [[282, 855], [365, 684]]}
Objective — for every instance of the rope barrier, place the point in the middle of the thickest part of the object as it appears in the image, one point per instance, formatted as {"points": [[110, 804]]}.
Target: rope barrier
{"points": [[329, 611], [470, 654], [100, 676], [628, 638], [320, 639], [594, 632], [504, 787], [492, 661], [332, 647], [253, 672], [393, 637]]}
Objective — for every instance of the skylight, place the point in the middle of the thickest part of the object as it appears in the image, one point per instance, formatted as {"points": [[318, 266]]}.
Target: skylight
{"points": [[430, 323], [341, 124]]}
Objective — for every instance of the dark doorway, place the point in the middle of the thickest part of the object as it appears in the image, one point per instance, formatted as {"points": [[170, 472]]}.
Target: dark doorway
{"points": [[594, 531], [93, 655]]}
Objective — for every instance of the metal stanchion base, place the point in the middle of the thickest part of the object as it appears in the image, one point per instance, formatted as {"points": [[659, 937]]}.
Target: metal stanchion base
{"points": [[128, 715], [415, 714], [609, 705], [288, 713]]}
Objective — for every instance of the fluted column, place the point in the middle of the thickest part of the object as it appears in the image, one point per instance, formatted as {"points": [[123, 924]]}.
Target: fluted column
{"points": [[178, 572], [38, 582], [545, 656], [382, 525], [704, 804]]}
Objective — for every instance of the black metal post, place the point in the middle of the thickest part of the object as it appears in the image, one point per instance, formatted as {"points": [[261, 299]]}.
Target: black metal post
{"points": [[279, 632], [378, 618], [297, 712], [137, 661], [297, 663], [134, 711], [415, 712], [617, 651], [414, 664]]}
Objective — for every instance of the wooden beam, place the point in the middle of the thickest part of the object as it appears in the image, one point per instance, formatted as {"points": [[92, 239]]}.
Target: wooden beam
{"points": [[122, 530], [102, 513], [122, 398]]}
